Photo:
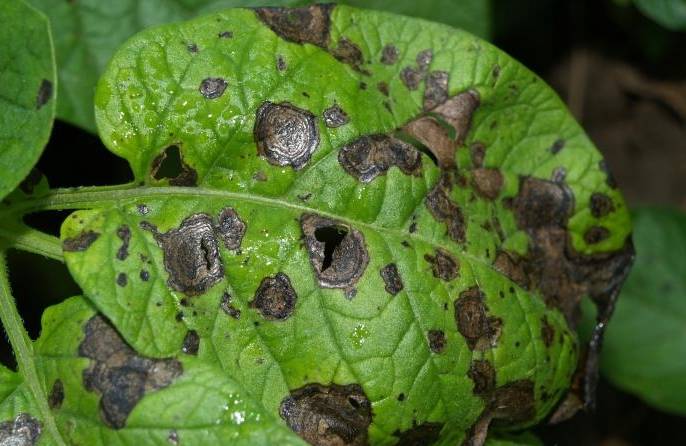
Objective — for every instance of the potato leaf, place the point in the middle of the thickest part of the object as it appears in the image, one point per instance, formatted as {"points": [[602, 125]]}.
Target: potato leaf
{"points": [[331, 204], [27, 91]]}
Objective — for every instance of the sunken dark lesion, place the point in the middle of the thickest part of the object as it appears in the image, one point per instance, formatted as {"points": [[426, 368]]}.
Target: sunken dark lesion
{"points": [[329, 415], [191, 254], [285, 135], [370, 156], [80, 242], [275, 298], [118, 374], [560, 273], [170, 165], [338, 253], [479, 329], [299, 25], [23, 430]]}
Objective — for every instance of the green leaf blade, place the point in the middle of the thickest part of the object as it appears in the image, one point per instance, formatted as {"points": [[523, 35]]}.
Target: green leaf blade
{"points": [[669, 13], [27, 91], [189, 88]]}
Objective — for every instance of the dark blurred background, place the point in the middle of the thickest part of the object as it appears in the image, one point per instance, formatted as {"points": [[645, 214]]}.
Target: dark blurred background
{"points": [[623, 77]]}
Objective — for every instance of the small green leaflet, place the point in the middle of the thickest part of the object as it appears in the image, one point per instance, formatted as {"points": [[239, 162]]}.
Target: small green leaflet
{"points": [[27, 91], [330, 204]]}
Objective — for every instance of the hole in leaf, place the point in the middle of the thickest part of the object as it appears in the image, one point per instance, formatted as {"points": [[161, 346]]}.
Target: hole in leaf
{"points": [[169, 164], [332, 237]]}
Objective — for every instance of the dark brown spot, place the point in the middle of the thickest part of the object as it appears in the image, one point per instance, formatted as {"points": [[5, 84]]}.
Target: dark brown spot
{"points": [[81, 242], [391, 277], [338, 253], [332, 415], [389, 54], [383, 88], [479, 330], [213, 87], [437, 340], [401, 397], [124, 233], [122, 279], [299, 25], [192, 48], [225, 35], [285, 134], [334, 117], [363, 85], [305, 197], [191, 254], [349, 53], [424, 59], [436, 91], [173, 437], [118, 374], [495, 72], [170, 164], [191, 343], [142, 209], [446, 127], [44, 93], [547, 332], [557, 146], [425, 434], [542, 203], [443, 265], [281, 64], [370, 156], [487, 182], [561, 274], [445, 210], [227, 306], [596, 234], [478, 153], [482, 373], [411, 77], [56, 397], [230, 228], [601, 205], [275, 298], [24, 430], [144, 275]]}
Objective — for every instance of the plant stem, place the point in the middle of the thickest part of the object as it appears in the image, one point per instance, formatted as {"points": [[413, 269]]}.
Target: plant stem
{"points": [[23, 351], [28, 239]]}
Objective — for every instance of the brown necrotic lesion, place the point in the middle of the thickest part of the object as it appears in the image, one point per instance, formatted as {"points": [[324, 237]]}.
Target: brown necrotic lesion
{"points": [[285, 134], [338, 253]]}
